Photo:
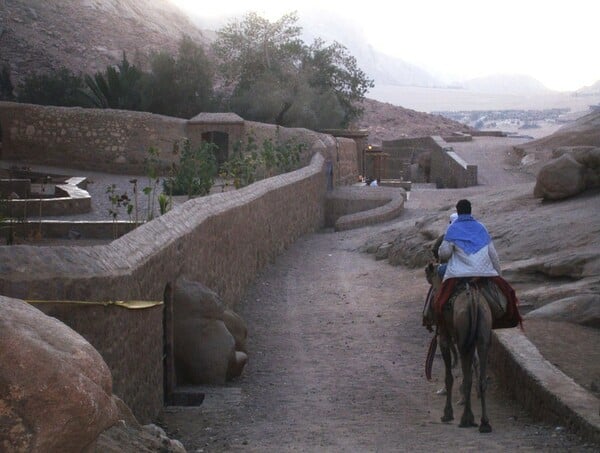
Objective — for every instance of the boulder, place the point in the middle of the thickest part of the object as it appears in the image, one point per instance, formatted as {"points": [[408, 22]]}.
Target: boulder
{"points": [[194, 300], [572, 171], [204, 350], [55, 388], [237, 327], [209, 340], [560, 178], [583, 309]]}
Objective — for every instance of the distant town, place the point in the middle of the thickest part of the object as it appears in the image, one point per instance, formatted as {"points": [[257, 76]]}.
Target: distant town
{"points": [[522, 119]]}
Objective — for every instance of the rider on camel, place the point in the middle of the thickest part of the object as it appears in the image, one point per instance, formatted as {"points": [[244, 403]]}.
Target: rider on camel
{"points": [[470, 252], [468, 247]]}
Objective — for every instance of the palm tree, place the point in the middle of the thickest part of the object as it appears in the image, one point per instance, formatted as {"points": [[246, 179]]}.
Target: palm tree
{"points": [[117, 88]]}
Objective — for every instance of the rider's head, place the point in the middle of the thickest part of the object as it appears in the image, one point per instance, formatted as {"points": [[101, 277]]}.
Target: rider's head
{"points": [[463, 207]]}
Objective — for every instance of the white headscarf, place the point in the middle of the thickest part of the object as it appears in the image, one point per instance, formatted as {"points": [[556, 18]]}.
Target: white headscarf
{"points": [[453, 217]]}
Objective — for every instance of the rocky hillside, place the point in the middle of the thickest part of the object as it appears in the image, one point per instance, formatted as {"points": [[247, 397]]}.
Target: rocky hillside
{"points": [[87, 35], [585, 131], [387, 122]]}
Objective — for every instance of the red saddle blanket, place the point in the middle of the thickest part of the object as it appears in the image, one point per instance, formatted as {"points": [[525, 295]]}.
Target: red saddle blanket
{"points": [[511, 318]]}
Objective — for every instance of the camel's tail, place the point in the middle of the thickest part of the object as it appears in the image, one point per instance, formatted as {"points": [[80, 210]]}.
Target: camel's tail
{"points": [[472, 294]]}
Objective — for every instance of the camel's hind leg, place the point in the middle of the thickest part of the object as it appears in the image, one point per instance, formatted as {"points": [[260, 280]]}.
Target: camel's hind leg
{"points": [[466, 360], [449, 380]]}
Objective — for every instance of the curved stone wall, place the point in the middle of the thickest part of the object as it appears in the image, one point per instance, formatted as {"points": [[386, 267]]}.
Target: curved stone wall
{"points": [[222, 240]]}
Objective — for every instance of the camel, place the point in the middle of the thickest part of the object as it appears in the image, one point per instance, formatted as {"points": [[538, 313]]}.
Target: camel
{"points": [[467, 323]]}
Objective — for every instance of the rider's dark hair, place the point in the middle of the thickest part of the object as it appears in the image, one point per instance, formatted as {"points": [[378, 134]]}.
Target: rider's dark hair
{"points": [[463, 207]]}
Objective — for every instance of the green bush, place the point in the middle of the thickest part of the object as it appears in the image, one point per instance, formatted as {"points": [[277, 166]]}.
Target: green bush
{"points": [[196, 172]]}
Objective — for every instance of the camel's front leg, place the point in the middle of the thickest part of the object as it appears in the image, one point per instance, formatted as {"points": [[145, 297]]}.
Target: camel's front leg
{"points": [[485, 426], [466, 360], [449, 379]]}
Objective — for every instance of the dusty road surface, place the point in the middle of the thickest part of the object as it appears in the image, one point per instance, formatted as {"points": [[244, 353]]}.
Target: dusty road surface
{"points": [[336, 364]]}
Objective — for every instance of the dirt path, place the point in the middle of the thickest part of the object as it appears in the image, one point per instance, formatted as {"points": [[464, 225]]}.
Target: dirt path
{"points": [[336, 364]]}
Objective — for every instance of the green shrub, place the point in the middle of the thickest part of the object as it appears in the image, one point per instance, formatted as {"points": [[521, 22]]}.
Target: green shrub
{"points": [[196, 171]]}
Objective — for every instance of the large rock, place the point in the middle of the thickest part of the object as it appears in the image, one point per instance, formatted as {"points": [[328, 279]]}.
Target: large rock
{"points": [[204, 348], [55, 388], [237, 327], [572, 171], [581, 309], [560, 178], [205, 336]]}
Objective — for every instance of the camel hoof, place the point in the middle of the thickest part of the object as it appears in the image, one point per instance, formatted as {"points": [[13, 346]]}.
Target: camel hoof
{"points": [[485, 428], [467, 424], [447, 418]]}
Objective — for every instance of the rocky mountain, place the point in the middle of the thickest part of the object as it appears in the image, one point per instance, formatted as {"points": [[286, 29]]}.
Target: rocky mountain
{"points": [[87, 35], [384, 69], [591, 90], [506, 84]]}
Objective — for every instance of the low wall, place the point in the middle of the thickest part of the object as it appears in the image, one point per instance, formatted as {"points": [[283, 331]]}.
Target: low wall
{"points": [[222, 240], [117, 141], [542, 388], [91, 139], [448, 170], [354, 207], [130, 342]]}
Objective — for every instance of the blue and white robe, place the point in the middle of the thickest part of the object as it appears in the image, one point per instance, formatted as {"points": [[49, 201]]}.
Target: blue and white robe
{"points": [[469, 250]]}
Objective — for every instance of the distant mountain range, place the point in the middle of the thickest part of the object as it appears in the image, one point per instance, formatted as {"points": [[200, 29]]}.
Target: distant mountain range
{"points": [[592, 90]]}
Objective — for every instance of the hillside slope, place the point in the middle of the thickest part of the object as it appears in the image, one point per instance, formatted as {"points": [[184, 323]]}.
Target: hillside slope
{"points": [[87, 35], [387, 122], [584, 131]]}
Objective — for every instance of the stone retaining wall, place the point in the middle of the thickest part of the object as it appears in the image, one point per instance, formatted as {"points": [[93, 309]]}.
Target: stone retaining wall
{"points": [[222, 240], [91, 139], [117, 141], [354, 207], [542, 388], [447, 169]]}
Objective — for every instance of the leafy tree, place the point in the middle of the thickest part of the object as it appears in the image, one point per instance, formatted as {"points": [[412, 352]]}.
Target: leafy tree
{"points": [[333, 70], [179, 86], [270, 75], [6, 86], [61, 88], [117, 87]]}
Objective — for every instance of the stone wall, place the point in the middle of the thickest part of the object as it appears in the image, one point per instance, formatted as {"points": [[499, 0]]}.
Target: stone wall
{"points": [[130, 342], [91, 139], [117, 141], [402, 153], [222, 240], [355, 207], [447, 169]]}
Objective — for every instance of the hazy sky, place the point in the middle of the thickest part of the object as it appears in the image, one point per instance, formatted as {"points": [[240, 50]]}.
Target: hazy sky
{"points": [[554, 41]]}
